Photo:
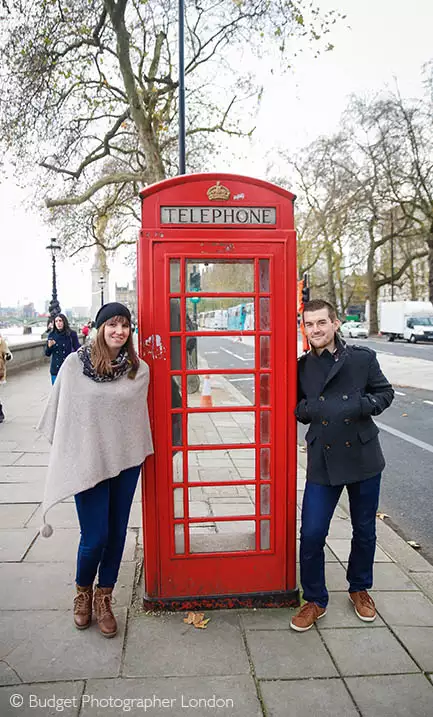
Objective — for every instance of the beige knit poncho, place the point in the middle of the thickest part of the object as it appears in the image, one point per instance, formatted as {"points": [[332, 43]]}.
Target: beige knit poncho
{"points": [[96, 430]]}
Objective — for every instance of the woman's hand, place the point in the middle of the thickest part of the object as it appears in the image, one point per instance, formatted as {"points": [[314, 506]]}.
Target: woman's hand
{"points": [[51, 342]]}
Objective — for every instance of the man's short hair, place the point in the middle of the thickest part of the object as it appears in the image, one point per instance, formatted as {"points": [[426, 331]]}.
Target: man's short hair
{"points": [[317, 305]]}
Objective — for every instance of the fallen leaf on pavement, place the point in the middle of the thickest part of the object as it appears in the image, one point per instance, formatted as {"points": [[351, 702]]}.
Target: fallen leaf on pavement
{"points": [[196, 619], [414, 544], [382, 516]]}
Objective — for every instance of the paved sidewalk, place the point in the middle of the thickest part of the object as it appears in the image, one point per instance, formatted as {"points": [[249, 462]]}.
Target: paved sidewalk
{"points": [[247, 663]]}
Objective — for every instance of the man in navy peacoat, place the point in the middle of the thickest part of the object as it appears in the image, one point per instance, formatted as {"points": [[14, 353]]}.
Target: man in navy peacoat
{"points": [[340, 388]]}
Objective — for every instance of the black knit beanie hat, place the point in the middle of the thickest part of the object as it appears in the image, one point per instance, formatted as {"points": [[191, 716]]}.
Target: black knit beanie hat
{"points": [[107, 312]]}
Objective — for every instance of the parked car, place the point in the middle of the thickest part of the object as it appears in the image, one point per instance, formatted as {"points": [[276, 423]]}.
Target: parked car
{"points": [[354, 330]]}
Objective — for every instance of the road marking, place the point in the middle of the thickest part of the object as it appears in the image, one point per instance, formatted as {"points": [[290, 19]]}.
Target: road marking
{"points": [[405, 437], [241, 358], [429, 402], [248, 378], [208, 353], [399, 393], [385, 353]]}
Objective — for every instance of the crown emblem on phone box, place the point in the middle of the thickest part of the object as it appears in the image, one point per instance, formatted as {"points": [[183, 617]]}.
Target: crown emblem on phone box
{"points": [[218, 193]]}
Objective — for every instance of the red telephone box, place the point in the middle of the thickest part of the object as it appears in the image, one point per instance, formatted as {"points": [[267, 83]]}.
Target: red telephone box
{"points": [[217, 316]]}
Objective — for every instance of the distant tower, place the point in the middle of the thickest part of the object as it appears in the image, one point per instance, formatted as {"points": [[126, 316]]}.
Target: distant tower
{"points": [[99, 269]]}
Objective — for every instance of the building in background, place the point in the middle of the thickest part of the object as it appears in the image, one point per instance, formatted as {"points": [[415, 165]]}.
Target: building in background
{"points": [[128, 296]]}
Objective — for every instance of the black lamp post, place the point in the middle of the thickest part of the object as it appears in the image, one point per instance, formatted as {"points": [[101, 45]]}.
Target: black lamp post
{"points": [[54, 306], [101, 283]]}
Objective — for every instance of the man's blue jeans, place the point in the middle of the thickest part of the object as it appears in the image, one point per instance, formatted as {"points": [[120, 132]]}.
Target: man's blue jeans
{"points": [[103, 513], [317, 510]]}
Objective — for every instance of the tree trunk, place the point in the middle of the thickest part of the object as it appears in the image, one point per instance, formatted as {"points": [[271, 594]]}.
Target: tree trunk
{"points": [[430, 264], [332, 296], [372, 292]]}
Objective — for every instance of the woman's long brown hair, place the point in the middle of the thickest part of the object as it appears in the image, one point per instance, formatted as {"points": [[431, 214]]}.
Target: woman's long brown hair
{"points": [[100, 355]]}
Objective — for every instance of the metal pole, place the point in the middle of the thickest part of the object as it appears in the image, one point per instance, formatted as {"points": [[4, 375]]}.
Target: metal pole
{"points": [[54, 306], [392, 257], [54, 278], [182, 166]]}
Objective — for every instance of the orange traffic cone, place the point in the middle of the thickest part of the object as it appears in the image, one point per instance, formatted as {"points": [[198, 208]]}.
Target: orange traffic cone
{"points": [[206, 394]]}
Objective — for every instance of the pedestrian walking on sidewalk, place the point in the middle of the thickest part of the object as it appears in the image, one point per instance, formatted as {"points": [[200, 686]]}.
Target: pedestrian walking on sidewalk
{"points": [[5, 356], [340, 387], [98, 424], [61, 341]]}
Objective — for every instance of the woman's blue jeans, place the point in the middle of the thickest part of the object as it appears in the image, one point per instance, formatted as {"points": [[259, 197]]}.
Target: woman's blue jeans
{"points": [[103, 513], [317, 510]]}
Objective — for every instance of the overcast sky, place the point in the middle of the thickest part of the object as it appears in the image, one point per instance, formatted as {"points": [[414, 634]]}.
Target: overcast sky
{"points": [[386, 39]]}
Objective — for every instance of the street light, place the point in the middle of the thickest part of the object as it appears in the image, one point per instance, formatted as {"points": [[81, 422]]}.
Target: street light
{"points": [[54, 306], [101, 283]]}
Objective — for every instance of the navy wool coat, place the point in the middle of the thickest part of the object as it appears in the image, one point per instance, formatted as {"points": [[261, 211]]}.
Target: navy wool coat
{"points": [[342, 441], [65, 345]]}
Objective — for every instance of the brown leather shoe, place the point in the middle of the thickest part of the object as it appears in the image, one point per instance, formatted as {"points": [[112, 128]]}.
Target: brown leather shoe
{"points": [[364, 605], [307, 616], [102, 606], [83, 607]]}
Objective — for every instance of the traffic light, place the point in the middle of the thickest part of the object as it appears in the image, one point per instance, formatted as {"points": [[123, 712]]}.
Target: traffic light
{"points": [[305, 290]]}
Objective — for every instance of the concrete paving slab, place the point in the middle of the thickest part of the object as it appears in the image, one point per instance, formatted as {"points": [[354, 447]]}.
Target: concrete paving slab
{"points": [[406, 609], [16, 515], [135, 516], [236, 696], [399, 550], [33, 459], [335, 576], [8, 446], [341, 548], [16, 628], [37, 700], [9, 458], [62, 515], [8, 676], [267, 619], [22, 474], [361, 652], [296, 698], [419, 642], [59, 651], [388, 576], [424, 581], [287, 654], [50, 586], [21, 492], [62, 547], [183, 650], [392, 695], [341, 614], [15, 543], [340, 528]]}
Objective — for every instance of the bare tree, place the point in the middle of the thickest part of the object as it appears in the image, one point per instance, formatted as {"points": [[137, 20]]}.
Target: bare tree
{"points": [[95, 80]]}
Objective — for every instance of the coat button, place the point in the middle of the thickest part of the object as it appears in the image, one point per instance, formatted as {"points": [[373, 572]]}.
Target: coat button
{"points": [[345, 397], [327, 446], [348, 444], [321, 398], [347, 421], [324, 422]]}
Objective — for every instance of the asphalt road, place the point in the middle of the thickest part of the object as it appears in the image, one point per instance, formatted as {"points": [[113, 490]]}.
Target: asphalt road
{"points": [[407, 487], [396, 348]]}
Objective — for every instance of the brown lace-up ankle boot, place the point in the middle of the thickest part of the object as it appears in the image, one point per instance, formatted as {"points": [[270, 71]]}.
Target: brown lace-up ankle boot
{"points": [[83, 607], [102, 606]]}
